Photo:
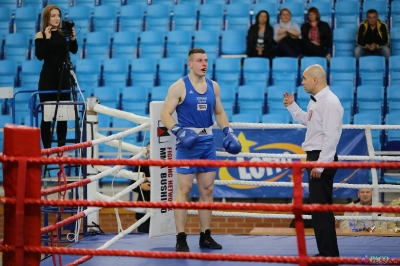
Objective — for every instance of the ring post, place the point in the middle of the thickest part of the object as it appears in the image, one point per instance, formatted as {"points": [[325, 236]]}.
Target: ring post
{"points": [[22, 180]]}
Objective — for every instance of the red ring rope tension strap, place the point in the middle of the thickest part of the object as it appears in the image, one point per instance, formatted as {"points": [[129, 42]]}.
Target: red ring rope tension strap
{"points": [[22, 180]]}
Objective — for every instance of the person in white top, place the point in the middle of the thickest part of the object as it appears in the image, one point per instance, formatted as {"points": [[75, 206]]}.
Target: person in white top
{"points": [[324, 127]]}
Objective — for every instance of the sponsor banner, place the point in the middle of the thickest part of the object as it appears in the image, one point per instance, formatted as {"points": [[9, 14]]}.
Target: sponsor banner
{"points": [[282, 141], [163, 179]]}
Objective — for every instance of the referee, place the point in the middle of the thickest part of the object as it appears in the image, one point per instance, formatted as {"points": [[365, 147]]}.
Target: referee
{"points": [[324, 127]]}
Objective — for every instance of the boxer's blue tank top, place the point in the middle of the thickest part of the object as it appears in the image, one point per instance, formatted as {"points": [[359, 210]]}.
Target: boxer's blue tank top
{"points": [[197, 109]]}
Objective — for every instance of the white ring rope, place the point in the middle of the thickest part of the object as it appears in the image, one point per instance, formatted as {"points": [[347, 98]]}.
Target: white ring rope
{"points": [[291, 216], [299, 126], [121, 134], [120, 114]]}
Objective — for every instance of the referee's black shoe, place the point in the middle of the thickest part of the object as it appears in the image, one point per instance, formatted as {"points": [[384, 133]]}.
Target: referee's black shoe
{"points": [[181, 244], [206, 241]]}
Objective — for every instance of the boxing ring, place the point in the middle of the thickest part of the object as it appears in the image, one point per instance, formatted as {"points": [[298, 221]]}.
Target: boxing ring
{"points": [[22, 168]]}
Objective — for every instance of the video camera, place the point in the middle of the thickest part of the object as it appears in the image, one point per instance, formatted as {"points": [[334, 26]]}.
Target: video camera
{"points": [[66, 27]]}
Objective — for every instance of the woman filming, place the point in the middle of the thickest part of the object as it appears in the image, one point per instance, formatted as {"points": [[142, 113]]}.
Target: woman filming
{"points": [[51, 46]]}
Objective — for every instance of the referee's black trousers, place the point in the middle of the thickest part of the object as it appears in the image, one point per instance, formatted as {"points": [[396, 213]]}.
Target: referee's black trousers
{"points": [[320, 191]]}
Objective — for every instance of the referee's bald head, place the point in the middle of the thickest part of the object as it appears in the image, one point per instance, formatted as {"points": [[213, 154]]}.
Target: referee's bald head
{"points": [[316, 71]]}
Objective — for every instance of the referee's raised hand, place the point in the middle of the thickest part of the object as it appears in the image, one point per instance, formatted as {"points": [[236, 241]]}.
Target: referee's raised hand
{"points": [[288, 99]]}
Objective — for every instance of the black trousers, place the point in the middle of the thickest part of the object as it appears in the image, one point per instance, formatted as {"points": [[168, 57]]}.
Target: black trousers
{"points": [[310, 49], [144, 227], [320, 191]]}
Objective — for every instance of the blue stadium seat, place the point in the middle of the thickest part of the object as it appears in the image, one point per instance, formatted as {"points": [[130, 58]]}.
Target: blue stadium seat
{"points": [[26, 20], [345, 93], [97, 45], [308, 61], [87, 3], [11, 4], [171, 69], [285, 71], [134, 100], [370, 119], [125, 45], [219, 2], [38, 4], [88, 73], [270, 7], [8, 73], [21, 101], [116, 3], [251, 100], [209, 41], [30, 73], [184, 17], [81, 15], [228, 99], [395, 40], [151, 44], [237, 16], [169, 3], [347, 14], [344, 41], [142, 3], [105, 18], [228, 71], [116, 72], [233, 42], [5, 22], [159, 93], [343, 71], [275, 97], [144, 73], [62, 4], [16, 47], [211, 17], [245, 118], [325, 9], [370, 99], [372, 70], [395, 14], [297, 10], [393, 98], [179, 43], [392, 119], [256, 71], [394, 70], [276, 119], [131, 18], [157, 18], [379, 5], [108, 96]]}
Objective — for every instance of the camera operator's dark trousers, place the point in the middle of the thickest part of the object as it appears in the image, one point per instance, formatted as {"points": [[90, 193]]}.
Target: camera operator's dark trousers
{"points": [[320, 191]]}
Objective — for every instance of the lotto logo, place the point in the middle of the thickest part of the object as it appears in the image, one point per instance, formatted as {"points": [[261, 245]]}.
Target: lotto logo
{"points": [[201, 107]]}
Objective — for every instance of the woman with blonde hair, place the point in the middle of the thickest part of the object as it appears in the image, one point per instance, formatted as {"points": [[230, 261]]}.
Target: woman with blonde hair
{"points": [[51, 47], [287, 34]]}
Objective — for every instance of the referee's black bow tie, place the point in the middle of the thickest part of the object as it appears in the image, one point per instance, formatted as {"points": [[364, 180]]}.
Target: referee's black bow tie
{"points": [[312, 98]]}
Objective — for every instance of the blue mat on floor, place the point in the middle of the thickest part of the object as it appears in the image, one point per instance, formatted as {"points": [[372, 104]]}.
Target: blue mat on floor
{"points": [[349, 246]]}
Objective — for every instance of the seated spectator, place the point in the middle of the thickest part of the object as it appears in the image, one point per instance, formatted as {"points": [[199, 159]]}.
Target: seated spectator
{"points": [[365, 199], [286, 34], [315, 35], [392, 225], [144, 194], [372, 37], [259, 37]]}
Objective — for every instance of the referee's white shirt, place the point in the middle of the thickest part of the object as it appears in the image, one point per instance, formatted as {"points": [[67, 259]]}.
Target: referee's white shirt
{"points": [[324, 124]]}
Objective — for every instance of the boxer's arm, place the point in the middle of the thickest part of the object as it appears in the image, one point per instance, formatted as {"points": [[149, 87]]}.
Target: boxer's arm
{"points": [[219, 112], [174, 96]]}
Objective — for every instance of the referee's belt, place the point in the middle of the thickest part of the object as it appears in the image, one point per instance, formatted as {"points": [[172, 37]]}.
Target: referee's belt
{"points": [[202, 131]]}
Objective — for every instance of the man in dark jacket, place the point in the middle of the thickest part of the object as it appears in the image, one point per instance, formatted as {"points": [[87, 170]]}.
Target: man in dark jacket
{"points": [[315, 35], [372, 37]]}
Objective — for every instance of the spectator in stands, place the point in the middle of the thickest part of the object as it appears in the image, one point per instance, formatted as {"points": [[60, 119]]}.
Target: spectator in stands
{"points": [[259, 37], [365, 199], [287, 34], [144, 193], [392, 225], [316, 35], [372, 37]]}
